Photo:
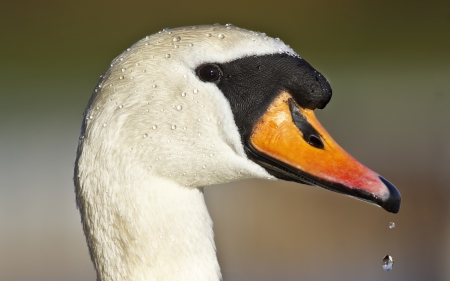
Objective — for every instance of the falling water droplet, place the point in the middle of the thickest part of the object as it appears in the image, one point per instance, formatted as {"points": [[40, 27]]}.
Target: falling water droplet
{"points": [[174, 127], [195, 91], [388, 263], [183, 94], [167, 55], [121, 77], [392, 225], [208, 34], [176, 39], [199, 119], [120, 106], [204, 166], [145, 136], [104, 125], [179, 107], [124, 69], [190, 44], [154, 86], [154, 127], [220, 36]]}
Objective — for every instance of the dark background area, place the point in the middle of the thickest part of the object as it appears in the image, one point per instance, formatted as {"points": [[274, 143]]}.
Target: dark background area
{"points": [[388, 63]]}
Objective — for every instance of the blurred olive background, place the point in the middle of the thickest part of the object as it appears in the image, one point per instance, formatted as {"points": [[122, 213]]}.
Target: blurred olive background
{"points": [[389, 66]]}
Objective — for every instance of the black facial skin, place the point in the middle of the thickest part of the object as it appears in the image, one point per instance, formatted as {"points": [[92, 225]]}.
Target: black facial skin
{"points": [[252, 83]]}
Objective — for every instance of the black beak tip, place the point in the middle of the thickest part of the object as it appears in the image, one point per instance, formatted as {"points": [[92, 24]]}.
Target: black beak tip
{"points": [[392, 204]]}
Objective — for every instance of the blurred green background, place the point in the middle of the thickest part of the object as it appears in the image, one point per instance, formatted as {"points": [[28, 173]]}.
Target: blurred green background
{"points": [[389, 66]]}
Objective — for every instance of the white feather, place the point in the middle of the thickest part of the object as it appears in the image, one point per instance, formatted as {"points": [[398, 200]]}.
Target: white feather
{"points": [[153, 136]]}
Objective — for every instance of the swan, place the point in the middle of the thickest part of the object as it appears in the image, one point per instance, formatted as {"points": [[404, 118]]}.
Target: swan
{"points": [[190, 107]]}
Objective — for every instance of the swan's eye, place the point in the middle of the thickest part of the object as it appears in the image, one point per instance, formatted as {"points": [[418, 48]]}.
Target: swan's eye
{"points": [[209, 73]]}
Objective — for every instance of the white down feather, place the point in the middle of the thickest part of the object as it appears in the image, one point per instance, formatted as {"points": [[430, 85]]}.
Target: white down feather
{"points": [[153, 136]]}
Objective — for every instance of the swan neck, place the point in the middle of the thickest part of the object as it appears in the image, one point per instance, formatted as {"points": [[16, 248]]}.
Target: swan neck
{"points": [[148, 229]]}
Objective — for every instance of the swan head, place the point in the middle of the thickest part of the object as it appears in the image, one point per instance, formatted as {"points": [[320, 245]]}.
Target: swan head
{"points": [[210, 104]]}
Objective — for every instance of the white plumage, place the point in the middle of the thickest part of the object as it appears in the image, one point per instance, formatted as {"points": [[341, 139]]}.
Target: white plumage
{"points": [[153, 136]]}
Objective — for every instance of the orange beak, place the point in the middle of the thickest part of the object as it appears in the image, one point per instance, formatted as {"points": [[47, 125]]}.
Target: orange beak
{"points": [[296, 147]]}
